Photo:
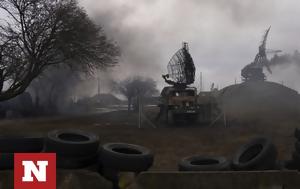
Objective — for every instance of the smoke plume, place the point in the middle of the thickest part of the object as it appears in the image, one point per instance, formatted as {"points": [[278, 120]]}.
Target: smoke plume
{"points": [[223, 35]]}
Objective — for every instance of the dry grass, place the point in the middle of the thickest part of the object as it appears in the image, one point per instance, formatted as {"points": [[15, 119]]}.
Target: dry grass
{"points": [[169, 144]]}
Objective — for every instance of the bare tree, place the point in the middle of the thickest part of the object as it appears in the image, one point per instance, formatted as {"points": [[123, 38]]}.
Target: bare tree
{"points": [[134, 86], [41, 33]]}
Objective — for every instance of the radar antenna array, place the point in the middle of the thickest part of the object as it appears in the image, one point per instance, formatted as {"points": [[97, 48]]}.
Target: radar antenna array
{"points": [[181, 68]]}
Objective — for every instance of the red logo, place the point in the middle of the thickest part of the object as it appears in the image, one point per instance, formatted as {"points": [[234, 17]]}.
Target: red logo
{"points": [[34, 171]]}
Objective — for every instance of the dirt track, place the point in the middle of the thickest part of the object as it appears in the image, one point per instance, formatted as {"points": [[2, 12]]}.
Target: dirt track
{"points": [[169, 144]]}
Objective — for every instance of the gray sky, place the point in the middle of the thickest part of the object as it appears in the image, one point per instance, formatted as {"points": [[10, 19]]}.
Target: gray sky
{"points": [[223, 34]]}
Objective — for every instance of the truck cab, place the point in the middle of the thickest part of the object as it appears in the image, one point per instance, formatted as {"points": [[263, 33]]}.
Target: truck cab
{"points": [[179, 104]]}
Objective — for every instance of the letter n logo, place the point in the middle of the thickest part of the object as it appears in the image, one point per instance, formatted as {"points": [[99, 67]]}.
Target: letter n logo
{"points": [[34, 171]]}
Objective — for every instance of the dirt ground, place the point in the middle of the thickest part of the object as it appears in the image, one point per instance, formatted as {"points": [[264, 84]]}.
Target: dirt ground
{"points": [[169, 144]]}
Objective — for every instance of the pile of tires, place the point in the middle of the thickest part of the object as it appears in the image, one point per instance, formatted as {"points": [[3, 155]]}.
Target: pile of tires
{"points": [[77, 149], [74, 149], [258, 154], [18, 144]]}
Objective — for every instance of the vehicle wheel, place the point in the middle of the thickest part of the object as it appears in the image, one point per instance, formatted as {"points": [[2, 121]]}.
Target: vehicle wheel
{"points": [[258, 154], [71, 142], [126, 157], [19, 144], [204, 163], [76, 162], [6, 161]]}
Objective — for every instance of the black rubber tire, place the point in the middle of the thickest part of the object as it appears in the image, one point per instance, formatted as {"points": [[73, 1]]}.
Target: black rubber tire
{"points": [[204, 163], [75, 162], [6, 161], [125, 157], [19, 144], [259, 154], [72, 143], [297, 134]]}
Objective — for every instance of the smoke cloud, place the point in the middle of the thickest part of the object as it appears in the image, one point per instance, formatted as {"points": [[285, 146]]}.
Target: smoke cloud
{"points": [[286, 69], [223, 35]]}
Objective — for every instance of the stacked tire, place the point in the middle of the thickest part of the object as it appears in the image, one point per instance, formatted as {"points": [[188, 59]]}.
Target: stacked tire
{"points": [[74, 149], [258, 154], [125, 157], [18, 144], [122, 157]]}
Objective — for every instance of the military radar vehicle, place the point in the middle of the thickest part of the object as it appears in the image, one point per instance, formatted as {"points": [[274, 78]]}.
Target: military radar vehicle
{"points": [[178, 101]]}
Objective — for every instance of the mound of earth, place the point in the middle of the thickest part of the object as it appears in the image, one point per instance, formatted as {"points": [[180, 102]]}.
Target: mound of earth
{"points": [[259, 100]]}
